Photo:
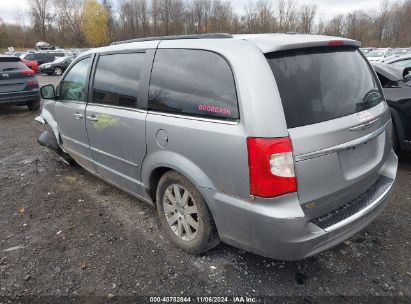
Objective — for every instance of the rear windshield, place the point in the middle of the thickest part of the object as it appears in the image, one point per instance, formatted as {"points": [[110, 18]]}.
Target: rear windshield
{"points": [[321, 84], [11, 66]]}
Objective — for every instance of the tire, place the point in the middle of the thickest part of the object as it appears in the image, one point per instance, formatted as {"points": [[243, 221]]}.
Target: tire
{"points": [[395, 140], [196, 241], [34, 105], [58, 71]]}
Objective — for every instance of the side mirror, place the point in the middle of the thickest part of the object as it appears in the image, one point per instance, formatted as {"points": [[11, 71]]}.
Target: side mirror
{"points": [[407, 74], [48, 92]]}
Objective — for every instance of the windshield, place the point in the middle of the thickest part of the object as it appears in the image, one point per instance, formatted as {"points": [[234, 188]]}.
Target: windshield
{"points": [[375, 54], [321, 84], [400, 51], [60, 59]]}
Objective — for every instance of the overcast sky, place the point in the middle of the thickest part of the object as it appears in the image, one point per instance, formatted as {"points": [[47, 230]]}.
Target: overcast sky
{"points": [[326, 8]]}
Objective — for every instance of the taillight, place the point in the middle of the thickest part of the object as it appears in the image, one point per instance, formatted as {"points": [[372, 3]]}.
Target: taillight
{"points": [[27, 72], [336, 43], [271, 166], [30, 85]]}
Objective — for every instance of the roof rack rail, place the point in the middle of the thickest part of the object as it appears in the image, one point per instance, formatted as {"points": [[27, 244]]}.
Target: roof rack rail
{"points": [[175, 37]]}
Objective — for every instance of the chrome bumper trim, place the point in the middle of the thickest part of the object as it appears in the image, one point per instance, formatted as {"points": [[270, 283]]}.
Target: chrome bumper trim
{"points": [[343, 146]]}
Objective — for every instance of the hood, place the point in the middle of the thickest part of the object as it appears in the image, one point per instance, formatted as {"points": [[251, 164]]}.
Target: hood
{"points": [[391, 72]]}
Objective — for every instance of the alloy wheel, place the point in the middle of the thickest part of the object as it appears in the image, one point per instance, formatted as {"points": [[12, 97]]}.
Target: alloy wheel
{"points": [[58, 71], [181, 212]]}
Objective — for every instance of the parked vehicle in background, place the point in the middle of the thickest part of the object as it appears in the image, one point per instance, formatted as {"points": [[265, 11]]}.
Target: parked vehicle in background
{"points": [[18, 84], [379, 55], [57, 67], [267, 154], [366, 50], [39, 57], [77, 52], [59, 54], [17, 54], [402, 61], [396, 83], [401, 51], [33, 65]]}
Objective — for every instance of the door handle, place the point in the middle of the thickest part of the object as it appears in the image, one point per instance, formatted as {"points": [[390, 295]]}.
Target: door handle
{"points": [[77, 115], [92, 118]]}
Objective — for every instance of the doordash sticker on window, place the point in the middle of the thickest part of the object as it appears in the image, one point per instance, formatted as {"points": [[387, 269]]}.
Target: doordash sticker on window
{"points": [[214, 109]]}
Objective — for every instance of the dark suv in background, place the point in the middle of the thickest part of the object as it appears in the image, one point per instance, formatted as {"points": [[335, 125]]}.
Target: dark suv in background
{"points": [[39, 57], [18, 84], [57, 67]]}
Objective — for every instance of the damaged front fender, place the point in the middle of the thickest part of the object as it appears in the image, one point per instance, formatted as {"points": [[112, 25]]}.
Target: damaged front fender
{"points": [[47, 117]]}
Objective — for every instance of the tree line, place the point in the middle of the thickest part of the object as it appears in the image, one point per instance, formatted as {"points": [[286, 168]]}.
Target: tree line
{"points": [[89, 23]]}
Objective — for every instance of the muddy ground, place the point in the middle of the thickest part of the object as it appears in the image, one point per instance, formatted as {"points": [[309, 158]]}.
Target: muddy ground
{"points": [[69, 236]]}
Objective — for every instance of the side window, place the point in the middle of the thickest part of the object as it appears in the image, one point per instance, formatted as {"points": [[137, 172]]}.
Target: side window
{"points": [[117, 79], [193, 82], [74, 85], [29, 57]]}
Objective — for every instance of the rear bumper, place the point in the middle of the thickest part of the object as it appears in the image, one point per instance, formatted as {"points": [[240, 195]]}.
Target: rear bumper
{"points": [[19, 98], [279, 229]]}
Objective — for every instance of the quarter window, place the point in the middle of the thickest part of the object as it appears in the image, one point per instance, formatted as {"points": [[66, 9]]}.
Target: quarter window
{"points": [[117, 79], [193, 82], [74, 85]]}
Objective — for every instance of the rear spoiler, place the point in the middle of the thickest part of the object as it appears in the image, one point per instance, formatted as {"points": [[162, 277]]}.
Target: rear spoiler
{"points": [[9, 59], [314, 44], [283, 42]]}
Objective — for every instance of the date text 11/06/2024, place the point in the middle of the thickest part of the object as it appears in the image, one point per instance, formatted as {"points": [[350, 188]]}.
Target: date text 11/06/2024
{"points": [[182, 299]]}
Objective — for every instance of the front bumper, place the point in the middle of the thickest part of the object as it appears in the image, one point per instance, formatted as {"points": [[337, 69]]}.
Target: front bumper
{"points": [[279, 229], [19, 98], [46, 70]]}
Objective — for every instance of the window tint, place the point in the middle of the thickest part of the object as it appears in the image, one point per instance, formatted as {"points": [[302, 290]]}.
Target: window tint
{"points": [[193, 82], [73, 87], [117, 78], [322, 84]]}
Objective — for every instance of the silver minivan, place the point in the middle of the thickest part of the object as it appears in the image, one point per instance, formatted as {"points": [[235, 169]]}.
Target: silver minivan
{"points": [[278, 144]]}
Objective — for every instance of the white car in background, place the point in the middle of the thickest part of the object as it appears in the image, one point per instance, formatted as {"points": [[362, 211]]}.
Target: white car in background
{"points": [[379, 55]]}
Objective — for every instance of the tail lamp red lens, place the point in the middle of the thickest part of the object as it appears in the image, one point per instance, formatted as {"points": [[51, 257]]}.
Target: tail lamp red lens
{"points": [[27, 72], [271, 166], [31, 85]]}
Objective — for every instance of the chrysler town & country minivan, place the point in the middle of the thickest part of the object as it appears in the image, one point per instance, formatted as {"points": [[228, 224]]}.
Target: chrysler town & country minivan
{"points": [[278, 144]]}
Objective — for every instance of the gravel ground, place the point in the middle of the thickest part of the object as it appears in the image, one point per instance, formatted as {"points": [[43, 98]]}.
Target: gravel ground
{"points": [[69, 236]]}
